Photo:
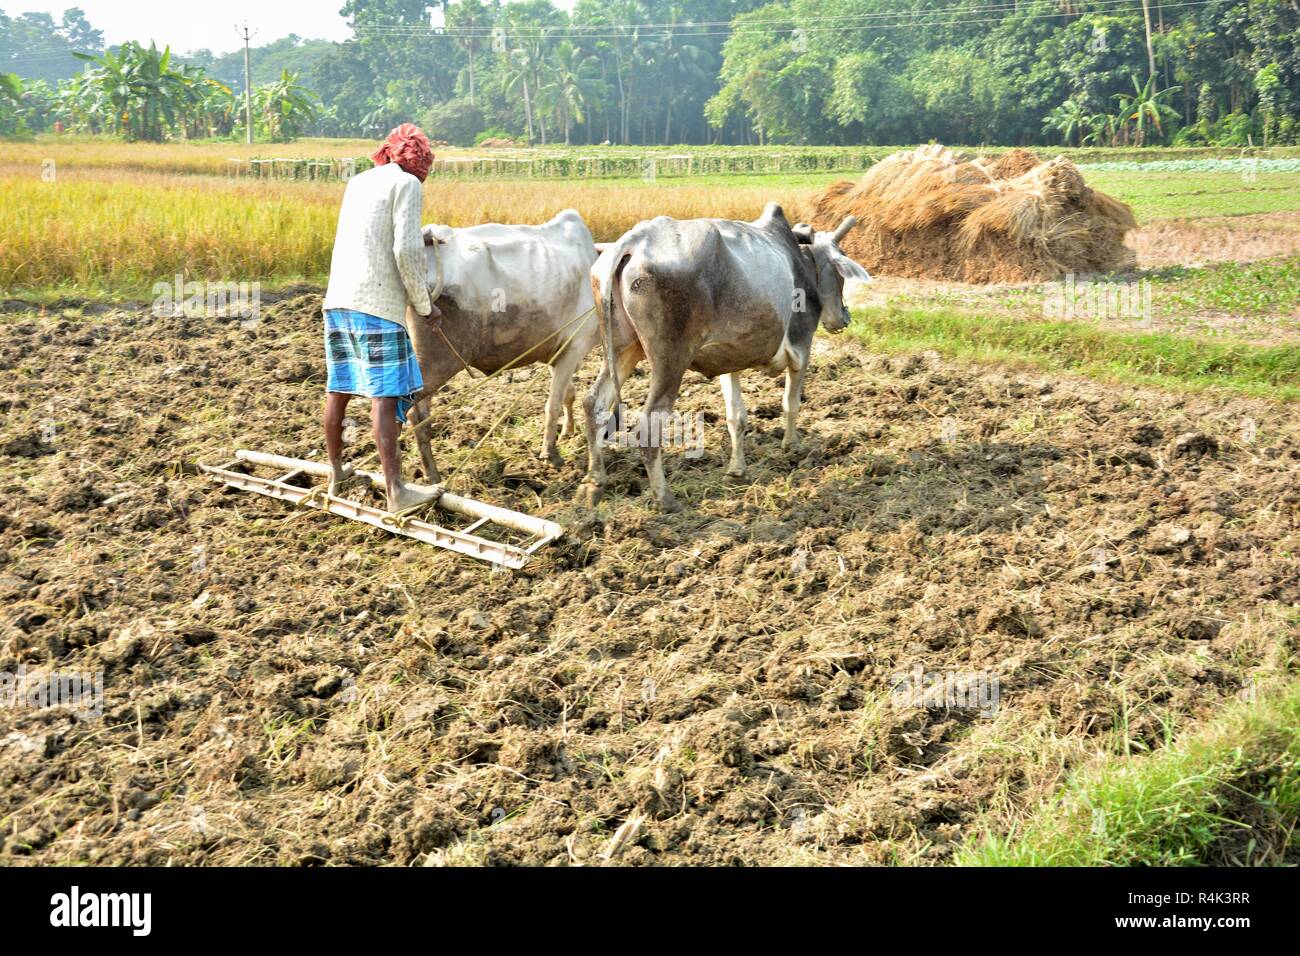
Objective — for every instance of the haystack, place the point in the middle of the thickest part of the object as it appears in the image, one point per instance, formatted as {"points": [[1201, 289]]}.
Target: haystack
{"points": [[931, 213]]}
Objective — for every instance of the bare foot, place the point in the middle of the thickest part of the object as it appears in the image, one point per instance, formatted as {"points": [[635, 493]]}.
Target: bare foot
{"points": [[409, 497], [339, 477]]}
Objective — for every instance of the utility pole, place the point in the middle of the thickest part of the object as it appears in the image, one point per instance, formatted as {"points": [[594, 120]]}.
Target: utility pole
{"points": [[1151, 53], [248, 84]]}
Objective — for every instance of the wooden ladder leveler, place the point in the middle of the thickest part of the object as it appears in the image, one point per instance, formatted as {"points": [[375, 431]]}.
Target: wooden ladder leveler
{"points": [[536, 532]]}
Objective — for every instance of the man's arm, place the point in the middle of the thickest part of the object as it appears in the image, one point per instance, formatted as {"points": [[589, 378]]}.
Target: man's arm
{"points": [[408, 246]]}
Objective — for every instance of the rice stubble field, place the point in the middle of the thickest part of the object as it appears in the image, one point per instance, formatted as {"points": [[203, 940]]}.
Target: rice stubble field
{"points": [[718, 686]]}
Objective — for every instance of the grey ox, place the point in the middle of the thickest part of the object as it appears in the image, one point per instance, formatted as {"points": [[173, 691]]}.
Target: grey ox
{"points": [[506, 292], [717, 297]]}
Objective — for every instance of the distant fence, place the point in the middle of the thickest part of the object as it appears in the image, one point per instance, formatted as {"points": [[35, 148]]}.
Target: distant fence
{"points": [[648, 166], [298, 168], [652, 165], [707, 161]]}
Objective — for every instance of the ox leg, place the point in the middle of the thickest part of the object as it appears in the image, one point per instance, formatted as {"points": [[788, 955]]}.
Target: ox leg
{"points": [[569, 427], [736, 420], [418, 414], [793, 396], [598, 400], [437, 367], [599, 422], [655, 424], [561, 394]]}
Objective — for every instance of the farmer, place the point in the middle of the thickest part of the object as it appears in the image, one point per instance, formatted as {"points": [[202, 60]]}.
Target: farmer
{"points": [[378, 269]]}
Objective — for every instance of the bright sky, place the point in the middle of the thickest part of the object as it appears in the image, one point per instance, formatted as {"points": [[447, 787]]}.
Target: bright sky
{"points": [[188, 25]]}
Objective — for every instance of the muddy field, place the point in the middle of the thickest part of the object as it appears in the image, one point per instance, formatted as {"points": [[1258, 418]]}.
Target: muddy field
{"points": [[283, 687]]}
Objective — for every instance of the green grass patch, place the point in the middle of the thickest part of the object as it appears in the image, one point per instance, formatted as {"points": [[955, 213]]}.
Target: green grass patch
{"points": [[1226, 794], [1156, 358], [1267, 287], [1187, 195]]}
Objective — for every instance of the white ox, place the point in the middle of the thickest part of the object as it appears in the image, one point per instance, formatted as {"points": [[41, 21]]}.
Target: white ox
{"points": [[507, 291]]}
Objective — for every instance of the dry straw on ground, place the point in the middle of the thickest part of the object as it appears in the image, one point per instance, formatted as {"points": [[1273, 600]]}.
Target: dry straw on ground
{"points": [[932, 213]]}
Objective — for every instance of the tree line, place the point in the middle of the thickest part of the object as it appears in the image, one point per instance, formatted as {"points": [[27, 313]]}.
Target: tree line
{"points": [[638, 72]]}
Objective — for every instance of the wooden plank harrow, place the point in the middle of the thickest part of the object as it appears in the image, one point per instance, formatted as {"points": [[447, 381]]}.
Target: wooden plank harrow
{"points": [[535, 533]]}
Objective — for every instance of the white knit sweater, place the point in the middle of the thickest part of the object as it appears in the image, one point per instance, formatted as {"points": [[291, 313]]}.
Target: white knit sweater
{"points": [[378, 264]]}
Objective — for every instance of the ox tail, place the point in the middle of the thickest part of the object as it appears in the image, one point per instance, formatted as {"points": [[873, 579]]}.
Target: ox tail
{"points": [[605, 281]]}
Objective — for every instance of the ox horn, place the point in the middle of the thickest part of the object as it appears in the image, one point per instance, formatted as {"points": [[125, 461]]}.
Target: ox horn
{"points": [[844, 227]]}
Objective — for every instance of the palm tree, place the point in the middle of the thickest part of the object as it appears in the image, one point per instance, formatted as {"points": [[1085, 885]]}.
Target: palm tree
{"points": [[682, 61], [524, 70], [466, 20], [634, 49], [573, 83]]}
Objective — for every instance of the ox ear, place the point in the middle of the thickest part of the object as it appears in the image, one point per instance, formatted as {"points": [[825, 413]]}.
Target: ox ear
{"points": [[847, 268], [803, 234]]}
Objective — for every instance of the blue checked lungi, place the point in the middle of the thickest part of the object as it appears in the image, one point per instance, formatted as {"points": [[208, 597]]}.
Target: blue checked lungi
{"points": [[372, 357]]}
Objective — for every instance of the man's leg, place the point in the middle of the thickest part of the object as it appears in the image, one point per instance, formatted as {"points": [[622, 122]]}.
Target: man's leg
{"points": [[336, 403], [383, 421]]}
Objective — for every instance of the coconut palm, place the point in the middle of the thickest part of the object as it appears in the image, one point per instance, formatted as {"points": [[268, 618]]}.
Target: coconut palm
{"points": [[573, 82], [523, 71], [683, 64], [466, 20]]}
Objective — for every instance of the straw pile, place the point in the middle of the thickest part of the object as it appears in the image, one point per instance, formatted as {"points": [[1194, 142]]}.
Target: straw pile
{"points": [[931, 213]]}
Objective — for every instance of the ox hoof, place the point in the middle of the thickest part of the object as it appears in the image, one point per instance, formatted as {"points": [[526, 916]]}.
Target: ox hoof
{"points": [[589, 494], [741, 473], [669, 505], [791, 444], [555, 458]]}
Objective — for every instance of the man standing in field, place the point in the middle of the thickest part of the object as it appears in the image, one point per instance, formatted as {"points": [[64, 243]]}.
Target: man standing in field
{"points": [[378, 268]]}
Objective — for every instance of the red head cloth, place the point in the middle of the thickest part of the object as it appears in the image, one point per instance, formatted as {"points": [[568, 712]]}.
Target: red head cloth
{"points": [[408, 147]]}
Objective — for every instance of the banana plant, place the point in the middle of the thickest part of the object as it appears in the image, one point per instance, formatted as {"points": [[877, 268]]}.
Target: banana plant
{"points": [[1146, 106], [285, 106], [144, 92], [1068, 119], [11, 104]]}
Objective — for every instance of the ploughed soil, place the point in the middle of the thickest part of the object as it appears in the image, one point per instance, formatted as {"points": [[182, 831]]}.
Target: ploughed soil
{"points": [[717, 686]]}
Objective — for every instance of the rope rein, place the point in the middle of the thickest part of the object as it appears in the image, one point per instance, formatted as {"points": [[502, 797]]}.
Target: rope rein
{"points": [[511, 407], [512, 363]]}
